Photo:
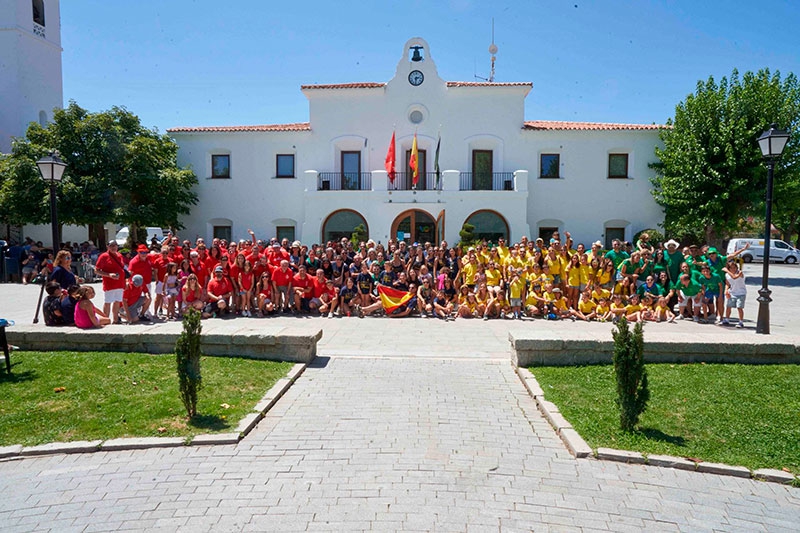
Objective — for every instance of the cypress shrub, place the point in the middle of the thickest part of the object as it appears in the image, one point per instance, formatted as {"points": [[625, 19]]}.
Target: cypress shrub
{"points": [[187, 355], [630, 373]]}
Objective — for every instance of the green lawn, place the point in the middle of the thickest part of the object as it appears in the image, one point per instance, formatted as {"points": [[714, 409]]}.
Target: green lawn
{"points": [[744, 415], [109, 395]]}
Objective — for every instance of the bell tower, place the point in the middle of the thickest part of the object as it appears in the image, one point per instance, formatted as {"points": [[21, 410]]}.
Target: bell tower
{"points": [[30, 65]]}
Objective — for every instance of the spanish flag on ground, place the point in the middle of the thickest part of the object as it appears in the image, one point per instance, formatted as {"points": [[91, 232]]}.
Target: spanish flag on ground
{"points": [[392, 298]]}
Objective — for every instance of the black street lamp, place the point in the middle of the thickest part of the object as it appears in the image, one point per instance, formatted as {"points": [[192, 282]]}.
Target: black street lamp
{"points": [[771, 143], [51, 168]]}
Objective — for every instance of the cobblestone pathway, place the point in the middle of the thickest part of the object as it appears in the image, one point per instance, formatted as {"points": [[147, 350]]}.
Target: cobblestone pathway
{"points": [[385, 444]]}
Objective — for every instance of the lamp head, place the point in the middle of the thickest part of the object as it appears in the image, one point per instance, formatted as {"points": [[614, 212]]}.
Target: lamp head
{"points": [[772, 142], [51, 167]]}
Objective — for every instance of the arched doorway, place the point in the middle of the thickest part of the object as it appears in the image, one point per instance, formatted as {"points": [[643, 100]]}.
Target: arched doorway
{"points": [[489, 225], [414, 226], [342, 223]]}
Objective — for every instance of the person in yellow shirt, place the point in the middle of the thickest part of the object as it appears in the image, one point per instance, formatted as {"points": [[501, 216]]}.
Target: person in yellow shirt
{"points": [[516, 290], [469, 309], [603, 310], [573, 278], [502, 250], [547, 277], [534, 300], [553, 263], [599, 292], [513, 262], [587, 272], [482, 296], [498, 307], [617, 308], [647, 313], [633, 311], [468, 269], [494, 278], [662, 311], [586, 307], [606, 274]]}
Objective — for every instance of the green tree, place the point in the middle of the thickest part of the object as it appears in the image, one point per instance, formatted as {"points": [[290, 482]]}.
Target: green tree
{"points": [[359, 235], [710, 174], [118, 171], [187, 357], [631, 375]]}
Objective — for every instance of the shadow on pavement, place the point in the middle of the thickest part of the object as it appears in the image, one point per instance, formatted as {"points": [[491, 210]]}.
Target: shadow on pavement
{"points": [[319, 362], [782, 282]]}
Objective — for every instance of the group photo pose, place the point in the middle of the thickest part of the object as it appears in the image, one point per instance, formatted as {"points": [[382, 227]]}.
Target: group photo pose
{"points": [[555, 279]]}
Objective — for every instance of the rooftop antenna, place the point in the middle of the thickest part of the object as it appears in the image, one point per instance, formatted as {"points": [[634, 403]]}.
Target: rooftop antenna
{"points": [[493, 51]]}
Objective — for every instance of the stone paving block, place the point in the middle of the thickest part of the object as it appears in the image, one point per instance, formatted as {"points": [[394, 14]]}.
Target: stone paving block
{"points": [[622, 456], [296, 371], [215, 438], [557, 420], [10, 451], [671, 462], [574, 443], [142, 443], [771, 474], [62, 447], [725, 470]]}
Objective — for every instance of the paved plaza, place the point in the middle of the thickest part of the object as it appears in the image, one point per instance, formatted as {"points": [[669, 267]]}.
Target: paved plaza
{"points": [[409, 424]]}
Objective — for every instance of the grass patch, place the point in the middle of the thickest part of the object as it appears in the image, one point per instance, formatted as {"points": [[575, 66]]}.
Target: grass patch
{"points": [[747, 415], [110, 395]]}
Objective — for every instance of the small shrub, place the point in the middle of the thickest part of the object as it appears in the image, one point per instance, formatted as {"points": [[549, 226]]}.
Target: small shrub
{"points": [[187, 355], [359, 235], [630, 373], [655, 237]]}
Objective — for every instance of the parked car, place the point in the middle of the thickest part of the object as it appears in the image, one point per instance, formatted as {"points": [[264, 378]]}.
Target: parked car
{"points": [[778, 250], [122, 235]]}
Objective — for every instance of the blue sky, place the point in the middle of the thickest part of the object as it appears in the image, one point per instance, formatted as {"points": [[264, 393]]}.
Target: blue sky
{"points": [[209, 63]]}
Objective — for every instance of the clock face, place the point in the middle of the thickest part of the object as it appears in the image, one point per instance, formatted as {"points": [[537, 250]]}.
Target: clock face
{"points": [[415, 78]]}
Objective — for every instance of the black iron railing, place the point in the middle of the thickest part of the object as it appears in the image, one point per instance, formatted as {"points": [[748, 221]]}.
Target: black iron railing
{"points": [[486, 181], [344, 181], [404, 182]]}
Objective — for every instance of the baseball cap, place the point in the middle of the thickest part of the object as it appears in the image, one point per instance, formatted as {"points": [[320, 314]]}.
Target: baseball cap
{"points": [[218, 269], [142, 248], [712, 250], [137, 280]]}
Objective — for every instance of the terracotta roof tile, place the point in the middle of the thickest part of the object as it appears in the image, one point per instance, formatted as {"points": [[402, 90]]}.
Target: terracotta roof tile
{"points": [[563, 125], [489, 84], [297, 126], [358, 85]]}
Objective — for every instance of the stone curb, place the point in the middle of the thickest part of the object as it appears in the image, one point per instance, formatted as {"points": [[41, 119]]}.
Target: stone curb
{"points": [[776, 476], [62, 447], [140, 443], [580, 449], [725, 470], [622, 456]]}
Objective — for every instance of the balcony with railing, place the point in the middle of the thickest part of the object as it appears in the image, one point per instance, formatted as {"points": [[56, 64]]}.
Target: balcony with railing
{"points": [[429, 183], [403, 181], [486, 181], [344, 181]]}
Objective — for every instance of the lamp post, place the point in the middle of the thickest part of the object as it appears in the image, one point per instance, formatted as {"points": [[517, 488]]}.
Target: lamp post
{"points": [[51, 168], [771, 143]]}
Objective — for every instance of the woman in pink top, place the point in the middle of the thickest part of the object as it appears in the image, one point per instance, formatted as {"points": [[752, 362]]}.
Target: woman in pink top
{"points": [[86, 314]]}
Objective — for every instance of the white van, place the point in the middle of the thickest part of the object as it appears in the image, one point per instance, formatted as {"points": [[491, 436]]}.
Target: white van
{"points": [[122, 235], [778, 250]]}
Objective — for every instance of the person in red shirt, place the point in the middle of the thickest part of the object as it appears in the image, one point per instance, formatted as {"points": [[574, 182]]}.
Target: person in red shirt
{"points": [[318, 288], [329, 299], [135, 300], [261, 266], [160, 263], [198, 268], [142, 265], [282, 278], [302, 286], [218, 294], [111, 267], [276, 254], [245, 284]]}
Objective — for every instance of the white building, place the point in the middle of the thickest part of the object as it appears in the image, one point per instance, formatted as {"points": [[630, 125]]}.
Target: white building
{"points": [[316, 181], [30, 65]]}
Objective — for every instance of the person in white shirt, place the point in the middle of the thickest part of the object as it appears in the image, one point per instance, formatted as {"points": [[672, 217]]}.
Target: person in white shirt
{"points": [[735, 292]]}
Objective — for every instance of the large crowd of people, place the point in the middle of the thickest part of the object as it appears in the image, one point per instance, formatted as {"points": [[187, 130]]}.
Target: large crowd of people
{"points": [[554, 280]]}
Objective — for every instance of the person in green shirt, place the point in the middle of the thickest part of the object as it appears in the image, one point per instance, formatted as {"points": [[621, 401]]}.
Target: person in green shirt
{"points": [[616, 254], [690, 294], [712, 289], [674, 259]]}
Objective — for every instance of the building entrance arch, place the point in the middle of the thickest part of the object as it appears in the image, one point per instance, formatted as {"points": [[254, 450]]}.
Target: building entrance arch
{"points": [[414, 225]]}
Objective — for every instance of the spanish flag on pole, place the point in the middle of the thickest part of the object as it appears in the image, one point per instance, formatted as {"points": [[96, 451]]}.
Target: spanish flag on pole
{"points": [[392, 298], [413, 162]]}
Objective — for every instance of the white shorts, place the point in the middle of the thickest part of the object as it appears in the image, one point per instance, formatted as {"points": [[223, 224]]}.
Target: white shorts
{"points": [[736, 301], [113, 296]]}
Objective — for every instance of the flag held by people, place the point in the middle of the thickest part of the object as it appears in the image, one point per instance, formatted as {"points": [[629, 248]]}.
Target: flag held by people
{"points": [[390, 160], [413, 162], [392, 298]]}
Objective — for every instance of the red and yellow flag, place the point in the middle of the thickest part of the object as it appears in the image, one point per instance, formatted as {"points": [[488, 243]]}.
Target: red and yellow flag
{"points": [[413, 162], [390, 160], [392, 298]]}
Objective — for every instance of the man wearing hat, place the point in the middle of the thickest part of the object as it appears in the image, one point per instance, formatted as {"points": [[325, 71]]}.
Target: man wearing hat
{"points": [[142, 265], [674, 259], [135, 300], [111, 268], [219, 292]]}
